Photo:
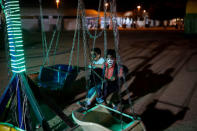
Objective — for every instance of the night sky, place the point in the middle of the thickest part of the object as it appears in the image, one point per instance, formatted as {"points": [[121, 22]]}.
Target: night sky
{"points": [[158, 9]]}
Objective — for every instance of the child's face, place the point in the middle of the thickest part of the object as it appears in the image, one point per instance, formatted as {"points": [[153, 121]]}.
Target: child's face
{"points": [[110, 60], [94, 56]]}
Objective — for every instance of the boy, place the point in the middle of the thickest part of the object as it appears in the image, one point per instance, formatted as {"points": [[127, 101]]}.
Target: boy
{"points": [[110, 83], [96, 60]]}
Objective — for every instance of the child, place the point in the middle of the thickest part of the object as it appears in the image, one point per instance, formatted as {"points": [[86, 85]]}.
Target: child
{"points": [[110, 83], [96, 60]]}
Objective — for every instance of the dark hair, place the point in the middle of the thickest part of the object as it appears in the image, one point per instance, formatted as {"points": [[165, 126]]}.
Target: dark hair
{"points": [[96, 50], [111, 52]]}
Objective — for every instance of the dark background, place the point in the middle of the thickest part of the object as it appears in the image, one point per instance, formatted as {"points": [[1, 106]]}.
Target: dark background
{"points": [[158, 9]]}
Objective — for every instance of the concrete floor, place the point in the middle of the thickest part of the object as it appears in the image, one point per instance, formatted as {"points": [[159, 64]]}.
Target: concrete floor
{"points": [[165, 101]]}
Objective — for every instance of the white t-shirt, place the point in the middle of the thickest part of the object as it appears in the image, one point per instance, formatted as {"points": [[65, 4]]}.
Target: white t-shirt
{"points": [[98, 62]]}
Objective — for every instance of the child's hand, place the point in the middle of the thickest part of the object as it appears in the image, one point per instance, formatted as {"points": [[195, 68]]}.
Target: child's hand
{"points": [[91, 66], [112, 78]]}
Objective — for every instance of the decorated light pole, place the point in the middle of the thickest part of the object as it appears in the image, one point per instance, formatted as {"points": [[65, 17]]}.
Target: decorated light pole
{"points": [[18, 82], [15, 39]]}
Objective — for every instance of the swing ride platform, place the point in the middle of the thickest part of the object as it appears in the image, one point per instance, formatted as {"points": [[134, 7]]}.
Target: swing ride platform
{"points": [[103, 118], [100, 117], [58, 78], [182, 89]]}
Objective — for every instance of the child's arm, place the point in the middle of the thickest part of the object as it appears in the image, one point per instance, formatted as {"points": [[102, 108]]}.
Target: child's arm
{"points": [[98, 65]]}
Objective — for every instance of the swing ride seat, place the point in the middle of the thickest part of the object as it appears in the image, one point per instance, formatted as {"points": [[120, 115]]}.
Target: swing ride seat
{"points": [[9, 127], [56, 77], [103, 118]]}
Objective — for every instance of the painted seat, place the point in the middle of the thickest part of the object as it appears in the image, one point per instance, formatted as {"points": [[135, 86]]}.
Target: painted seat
{"points": [[56, 77], [103, 118]]}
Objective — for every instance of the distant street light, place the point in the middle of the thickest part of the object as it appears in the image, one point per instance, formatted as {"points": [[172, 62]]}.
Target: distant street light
{"points": [[57, 3], [106, 5], [144, 11], [138, 7]]}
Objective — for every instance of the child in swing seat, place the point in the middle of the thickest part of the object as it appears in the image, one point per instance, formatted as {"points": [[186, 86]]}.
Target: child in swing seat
{"points": [[96, 58], [96, 73], [110, 84]]}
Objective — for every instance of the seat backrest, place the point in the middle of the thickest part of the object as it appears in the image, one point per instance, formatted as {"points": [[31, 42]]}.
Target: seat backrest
{"points": [[56, 74]]}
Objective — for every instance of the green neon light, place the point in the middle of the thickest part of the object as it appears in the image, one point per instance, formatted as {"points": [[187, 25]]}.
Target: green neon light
{"points": [[11, 2], [15, 38], [17, 15], [13, 20], [19, 63], [11, 8], [17, 60], [14, 28], [16, 50], [16, 71], [14, 25], [17, 34], [19, 42], [11, 32], [17, 31], [18, 66], [14, 11], [16, 45], [16, 55]]}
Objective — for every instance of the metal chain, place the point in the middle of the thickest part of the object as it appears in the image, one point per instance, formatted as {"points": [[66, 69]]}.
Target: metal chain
{"points": [[74, 38], [44, 43], [78, 39], [85, 25], [57, 42], [51, 42], [85, 42], [105, 32], [97, 23], [118, 59]]}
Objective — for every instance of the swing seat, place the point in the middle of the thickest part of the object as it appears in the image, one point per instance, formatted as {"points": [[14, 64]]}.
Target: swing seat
{"points": [[103, 118], [56, 77], [9, 127]]}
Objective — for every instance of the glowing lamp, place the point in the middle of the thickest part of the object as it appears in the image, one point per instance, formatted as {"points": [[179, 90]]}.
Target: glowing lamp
{"points": [[138, 7], [57, 3], [106, 4]]}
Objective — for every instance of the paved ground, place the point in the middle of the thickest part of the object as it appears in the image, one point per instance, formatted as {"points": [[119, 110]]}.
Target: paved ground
{"points": [[162, 74]]}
